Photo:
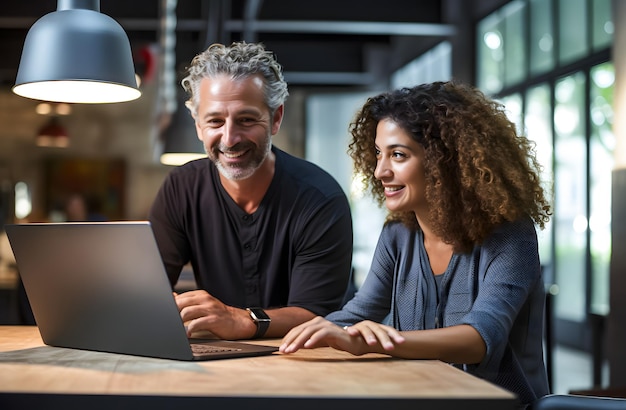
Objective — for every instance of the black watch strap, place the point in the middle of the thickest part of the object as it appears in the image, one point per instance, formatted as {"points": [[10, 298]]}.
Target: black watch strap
{"points": [[260, 319]]}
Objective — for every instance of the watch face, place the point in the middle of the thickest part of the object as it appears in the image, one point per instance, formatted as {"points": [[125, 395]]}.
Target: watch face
{"points": [[261, 319], [259, 314]]}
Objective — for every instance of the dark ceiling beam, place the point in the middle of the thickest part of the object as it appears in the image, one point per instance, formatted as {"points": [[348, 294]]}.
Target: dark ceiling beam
{"points": [[327, 78], [319, 27], [17, 22], [276, 26], [135, 24], [345, 27]]}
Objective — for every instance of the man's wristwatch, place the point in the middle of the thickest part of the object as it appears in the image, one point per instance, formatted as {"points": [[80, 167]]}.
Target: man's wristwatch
{"points": [[260, 319]]}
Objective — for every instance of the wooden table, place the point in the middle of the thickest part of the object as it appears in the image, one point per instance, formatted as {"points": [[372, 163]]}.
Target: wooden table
{"points": [[33, 375]]}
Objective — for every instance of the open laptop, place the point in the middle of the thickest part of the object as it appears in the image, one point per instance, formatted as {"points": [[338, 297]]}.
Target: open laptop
{"points": [[102, 286]]}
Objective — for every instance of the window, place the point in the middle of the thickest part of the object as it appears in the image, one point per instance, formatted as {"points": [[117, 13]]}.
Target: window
{"points": [[601, 146], [490, 54], [541, 37], [434, 65], [514, 40], [566, 100], [572, 30], [570, 206], [538, 124], [602, 25]]}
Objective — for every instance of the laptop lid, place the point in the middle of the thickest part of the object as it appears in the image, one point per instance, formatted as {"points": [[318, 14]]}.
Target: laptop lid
{"points": [[102, 286]]}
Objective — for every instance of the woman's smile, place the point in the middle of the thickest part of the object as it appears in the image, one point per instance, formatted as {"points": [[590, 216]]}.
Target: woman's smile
{"points": [[400, 167]]}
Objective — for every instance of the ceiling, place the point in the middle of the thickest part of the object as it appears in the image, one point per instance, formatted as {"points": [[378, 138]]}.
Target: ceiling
{"points": [[345, 44], [319, 43]]}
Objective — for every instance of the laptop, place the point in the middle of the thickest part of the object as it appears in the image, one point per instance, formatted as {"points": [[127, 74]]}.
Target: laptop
{"points": [[102, 286]]}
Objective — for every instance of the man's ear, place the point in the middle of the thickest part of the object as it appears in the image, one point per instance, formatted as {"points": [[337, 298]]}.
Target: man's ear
{"points": [[278, 119], [198, 130]]}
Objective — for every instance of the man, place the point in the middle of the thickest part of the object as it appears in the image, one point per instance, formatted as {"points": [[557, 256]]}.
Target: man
{"points": [[268, 235]]}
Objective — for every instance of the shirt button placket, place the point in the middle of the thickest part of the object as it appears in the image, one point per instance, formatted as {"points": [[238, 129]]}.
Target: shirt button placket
{"points": [[248, 240]]}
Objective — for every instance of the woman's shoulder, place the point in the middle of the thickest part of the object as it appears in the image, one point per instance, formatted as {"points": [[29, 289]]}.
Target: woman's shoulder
{"points": [[512, 234], [522, 226]]}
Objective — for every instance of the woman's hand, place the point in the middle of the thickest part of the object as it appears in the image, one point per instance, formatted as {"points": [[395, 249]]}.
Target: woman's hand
{"points": [[363, 337], [376, 334]]}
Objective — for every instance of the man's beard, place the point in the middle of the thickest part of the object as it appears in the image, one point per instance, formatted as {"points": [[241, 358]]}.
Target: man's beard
{"points": [[238, 172]]}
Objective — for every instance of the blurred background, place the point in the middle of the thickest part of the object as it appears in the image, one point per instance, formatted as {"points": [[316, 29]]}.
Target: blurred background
{"points": [[554, 64], [338, 46]]}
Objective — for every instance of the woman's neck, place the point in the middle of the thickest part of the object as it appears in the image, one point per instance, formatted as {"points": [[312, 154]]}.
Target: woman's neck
{"points": [[439, 252]]}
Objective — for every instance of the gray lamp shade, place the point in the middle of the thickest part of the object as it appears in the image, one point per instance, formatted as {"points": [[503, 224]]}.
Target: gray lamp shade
{"points": [[181, 139], [77, 55]]}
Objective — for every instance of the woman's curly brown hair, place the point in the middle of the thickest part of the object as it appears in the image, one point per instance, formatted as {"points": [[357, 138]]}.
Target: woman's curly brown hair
{"points": [[479, 171]]}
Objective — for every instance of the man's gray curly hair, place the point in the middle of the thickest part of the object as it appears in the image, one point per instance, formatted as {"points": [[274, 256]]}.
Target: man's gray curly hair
{"points": [[239, 60]]}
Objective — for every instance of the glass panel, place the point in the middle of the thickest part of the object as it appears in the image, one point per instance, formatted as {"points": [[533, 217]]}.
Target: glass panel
{"points": [[514, 43], [572, 30], [602, 25], [326, 131], [570, 222], [490, 54], [601, 147], [434, 65], [541, 37], [538, 123]]}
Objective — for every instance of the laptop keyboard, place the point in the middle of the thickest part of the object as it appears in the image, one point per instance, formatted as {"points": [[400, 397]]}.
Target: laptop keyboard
{"points": [[197, 348]]}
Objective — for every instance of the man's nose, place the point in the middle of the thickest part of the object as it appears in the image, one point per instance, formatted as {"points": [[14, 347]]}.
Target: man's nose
{"points": [[230, 134]]}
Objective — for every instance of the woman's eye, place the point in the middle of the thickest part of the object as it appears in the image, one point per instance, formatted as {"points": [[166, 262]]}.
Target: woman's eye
{"points": [[398, 154]]}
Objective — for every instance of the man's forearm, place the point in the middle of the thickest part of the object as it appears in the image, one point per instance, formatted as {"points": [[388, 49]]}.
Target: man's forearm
{"points": [[284, 319]]}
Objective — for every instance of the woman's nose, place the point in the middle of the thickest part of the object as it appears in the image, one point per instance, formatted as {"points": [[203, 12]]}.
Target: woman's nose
{"points": [[382, 169]]}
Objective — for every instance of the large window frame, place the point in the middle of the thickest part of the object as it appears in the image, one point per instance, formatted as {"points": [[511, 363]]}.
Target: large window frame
{"points": [[555, 56]]}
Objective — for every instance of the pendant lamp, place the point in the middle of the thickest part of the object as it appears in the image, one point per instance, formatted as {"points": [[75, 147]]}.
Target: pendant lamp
{"points": [[181, 140], [77, 55]]}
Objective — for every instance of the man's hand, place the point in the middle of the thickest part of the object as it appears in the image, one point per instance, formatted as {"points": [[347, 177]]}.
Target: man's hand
{"points": [[200, 311]]}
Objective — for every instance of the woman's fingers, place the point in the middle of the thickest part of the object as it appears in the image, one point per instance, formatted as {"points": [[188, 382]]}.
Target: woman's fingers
{"points": [[320, 332], [308, 335], [375, 333]]}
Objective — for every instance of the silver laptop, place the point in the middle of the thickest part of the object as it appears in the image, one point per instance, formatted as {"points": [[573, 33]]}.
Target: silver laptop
{"points": [[102, 286]]}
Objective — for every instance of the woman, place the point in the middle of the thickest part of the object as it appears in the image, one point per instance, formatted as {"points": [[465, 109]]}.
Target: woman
{"points": [[456, 273]]}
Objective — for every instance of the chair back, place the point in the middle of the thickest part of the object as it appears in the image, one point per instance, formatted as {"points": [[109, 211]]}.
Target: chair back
{"points": [[574, 402]]}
